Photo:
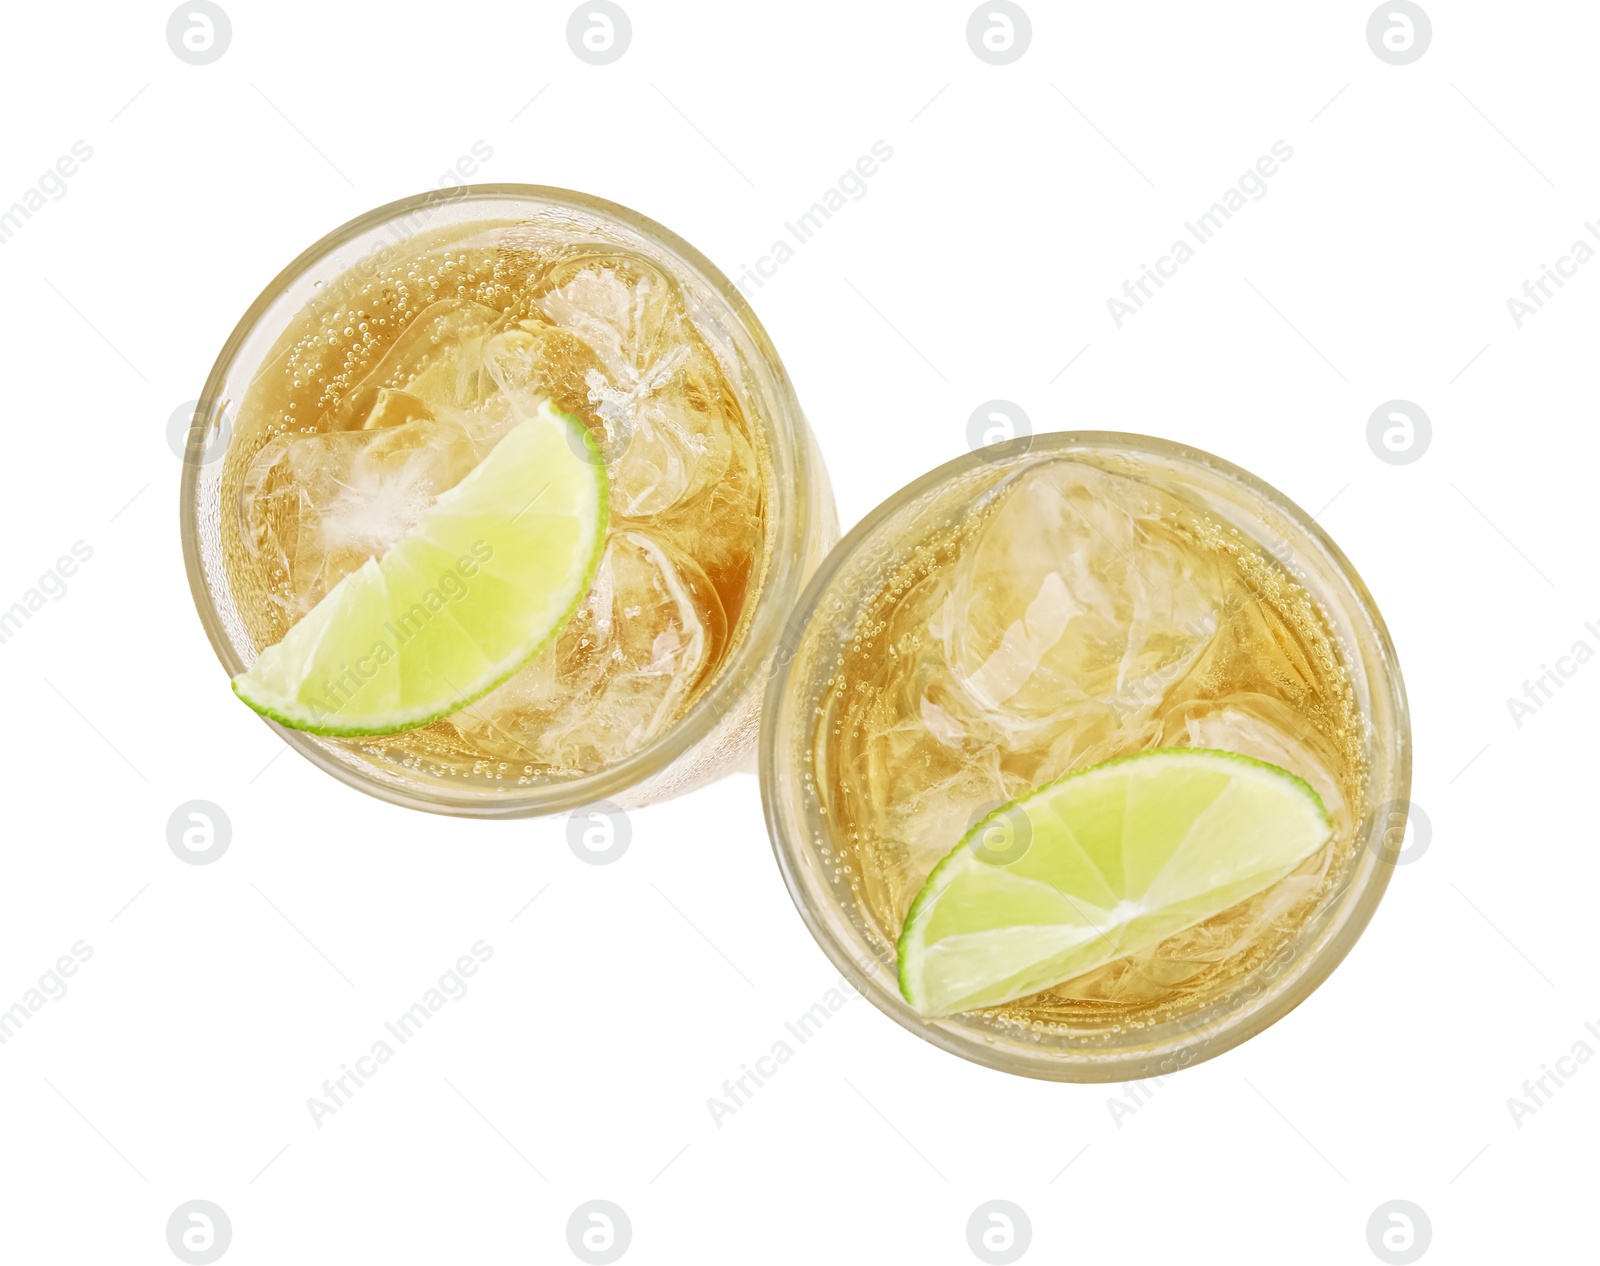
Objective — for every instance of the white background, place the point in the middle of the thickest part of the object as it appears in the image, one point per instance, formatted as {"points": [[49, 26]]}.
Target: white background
{"points": [[978, 264]]}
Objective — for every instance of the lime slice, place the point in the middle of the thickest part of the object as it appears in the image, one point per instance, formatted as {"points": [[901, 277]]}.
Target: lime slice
{"points": [[1100, 864], [483, 582]]}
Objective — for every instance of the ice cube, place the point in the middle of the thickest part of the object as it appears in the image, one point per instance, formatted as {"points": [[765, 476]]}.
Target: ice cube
{"points": [[318, 506], [654, 390], [1268, 729], [437, 360], [1074, 595], [648, 631], [386, 406], [534, 361], [622, 306]]}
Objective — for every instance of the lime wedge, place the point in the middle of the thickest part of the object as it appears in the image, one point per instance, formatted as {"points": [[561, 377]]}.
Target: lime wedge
{"points": [[1099, 864], [479, 586]]}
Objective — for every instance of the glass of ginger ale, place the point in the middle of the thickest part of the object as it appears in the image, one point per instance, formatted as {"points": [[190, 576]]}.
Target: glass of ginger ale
{"points": [[1083, 756], [496, 502]]}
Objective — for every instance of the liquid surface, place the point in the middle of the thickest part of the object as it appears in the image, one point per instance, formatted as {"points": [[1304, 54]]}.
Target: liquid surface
{"points": [[404, 373], [1072, 615]]}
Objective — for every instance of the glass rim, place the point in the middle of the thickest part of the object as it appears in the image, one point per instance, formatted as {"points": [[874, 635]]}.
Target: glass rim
{"points": [[789, 516], [1134, 1062]]}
